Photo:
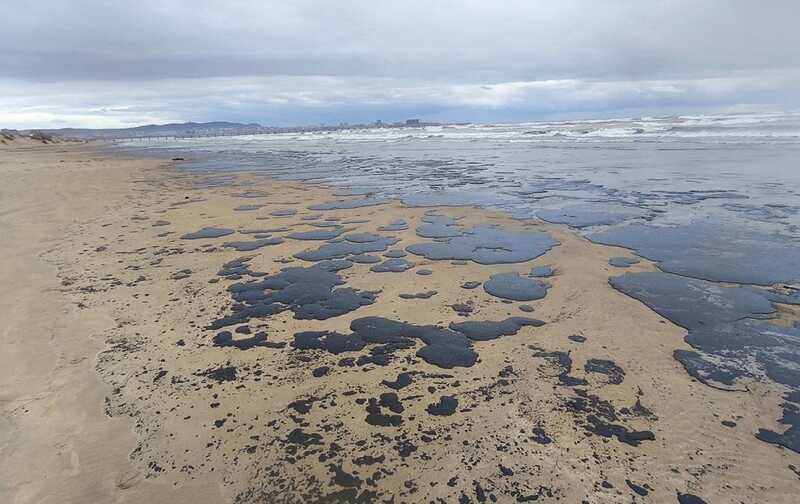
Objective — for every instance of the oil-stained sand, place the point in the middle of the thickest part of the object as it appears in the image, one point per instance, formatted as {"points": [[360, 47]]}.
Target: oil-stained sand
{"points": [[321, 391]]}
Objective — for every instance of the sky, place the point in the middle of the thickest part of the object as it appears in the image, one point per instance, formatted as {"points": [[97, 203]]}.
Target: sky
{"points": [[121, 63]]}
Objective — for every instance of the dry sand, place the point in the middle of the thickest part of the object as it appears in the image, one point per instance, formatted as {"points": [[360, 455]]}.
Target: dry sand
{"points": [[106, 396], [56, 442]]}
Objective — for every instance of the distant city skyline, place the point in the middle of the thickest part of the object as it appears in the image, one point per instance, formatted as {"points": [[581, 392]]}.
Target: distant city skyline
{"points": [[121, 64]]}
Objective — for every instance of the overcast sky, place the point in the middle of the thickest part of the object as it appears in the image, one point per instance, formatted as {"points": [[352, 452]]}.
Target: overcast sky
{"points": [[121, 63]]}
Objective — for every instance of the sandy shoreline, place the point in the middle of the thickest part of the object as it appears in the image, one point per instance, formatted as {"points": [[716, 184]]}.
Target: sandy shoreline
{"points": [[106, 387], [57, 443]]}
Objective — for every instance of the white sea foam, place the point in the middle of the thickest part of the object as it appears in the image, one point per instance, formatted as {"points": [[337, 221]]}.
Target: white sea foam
{"points": [[727, 128]]}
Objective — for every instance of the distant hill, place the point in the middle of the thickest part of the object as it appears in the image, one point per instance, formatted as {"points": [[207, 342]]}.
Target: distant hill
{"points": [[151, 130]]}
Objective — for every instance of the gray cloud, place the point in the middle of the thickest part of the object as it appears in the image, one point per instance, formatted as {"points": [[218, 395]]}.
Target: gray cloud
{"points": [[284, 61]]}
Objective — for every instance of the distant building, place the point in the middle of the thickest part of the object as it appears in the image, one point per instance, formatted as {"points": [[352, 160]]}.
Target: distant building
{"points": [[412, 122]]}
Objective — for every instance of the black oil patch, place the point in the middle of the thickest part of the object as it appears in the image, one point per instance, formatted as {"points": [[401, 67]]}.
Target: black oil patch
{"points": [[596, 214], [542, 271], [392, 266], [622, 261], [345, 248], [487, 245], [311, 293], [446, 406], [246, 246], [349, 204], [729, 340], [286, 212], [419, 295], [446, 348], [327, 233], [395, 225], [614, 373], [712, 252], [207, 232], [515, 287]]}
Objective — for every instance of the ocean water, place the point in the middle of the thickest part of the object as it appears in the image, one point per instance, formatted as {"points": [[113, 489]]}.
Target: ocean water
{"points": [[736, 169]]}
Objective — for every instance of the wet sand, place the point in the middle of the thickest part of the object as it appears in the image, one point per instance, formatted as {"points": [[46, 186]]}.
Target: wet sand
{"points": [[115, 389]]}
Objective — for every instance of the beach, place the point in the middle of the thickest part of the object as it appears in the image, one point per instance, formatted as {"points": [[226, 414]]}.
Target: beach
{"points": [[210, 335], [58, 444]]}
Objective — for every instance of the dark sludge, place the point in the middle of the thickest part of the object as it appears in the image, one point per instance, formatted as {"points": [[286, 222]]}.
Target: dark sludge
{"points": [[712, 252], [327, 233], [392, 266], [515, 287], [613, 372], [562, 362], [395, 225], [396, 253], [419, 295], [311, 293], [364, 259], [207, 232], [688, 498], [349, 204], [586, 215], [443, 347], [488, 330], [403, 380], [446, 406], [390, 402], [259, 339], [247, 246], [345, 248], [363, 237], [286, 212], [729, 336], [622, 261], [438, 226], [487, 245], [601, 418], [542, 271], [248, 208]]}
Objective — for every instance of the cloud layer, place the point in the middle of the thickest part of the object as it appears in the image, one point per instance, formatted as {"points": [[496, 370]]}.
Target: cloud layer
{"points": [[85, 63]]}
